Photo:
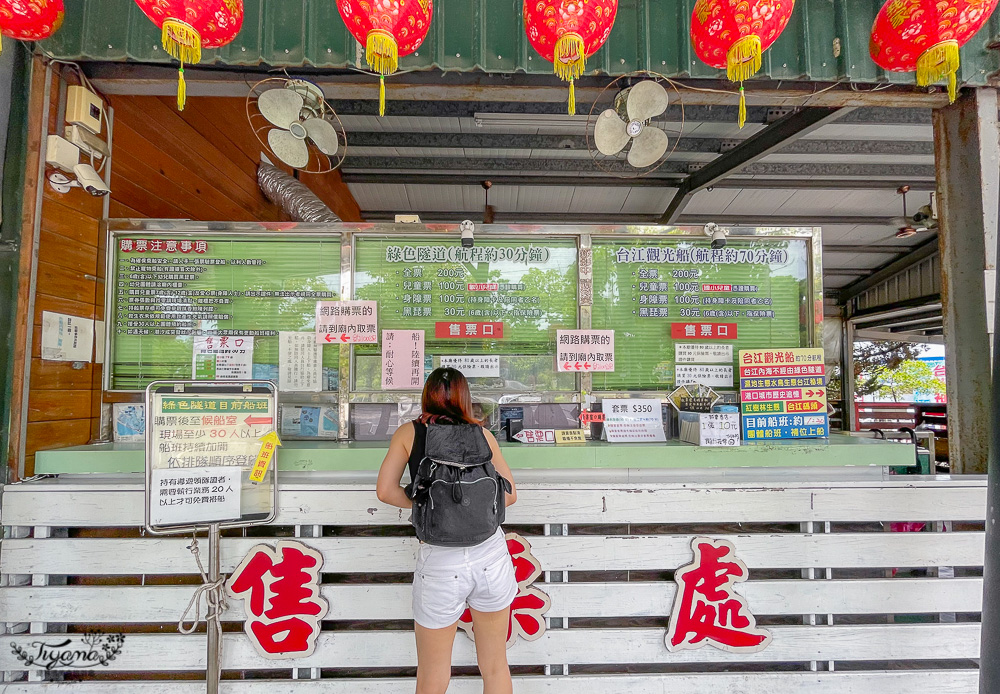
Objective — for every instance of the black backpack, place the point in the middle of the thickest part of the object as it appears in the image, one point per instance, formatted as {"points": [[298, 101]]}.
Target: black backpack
{"points": [[457, 494]]}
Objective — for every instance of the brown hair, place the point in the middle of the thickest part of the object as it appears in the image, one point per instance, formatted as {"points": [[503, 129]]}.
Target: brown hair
{"points": [[446, 398]]}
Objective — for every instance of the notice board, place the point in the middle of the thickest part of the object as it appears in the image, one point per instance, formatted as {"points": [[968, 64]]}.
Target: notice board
{"points": [[656, 293], [167, 291], [506, 298]]}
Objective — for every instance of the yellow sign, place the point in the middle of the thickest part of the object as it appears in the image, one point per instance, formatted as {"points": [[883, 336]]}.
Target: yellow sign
{"points": [[569, 436], [269, 444]]}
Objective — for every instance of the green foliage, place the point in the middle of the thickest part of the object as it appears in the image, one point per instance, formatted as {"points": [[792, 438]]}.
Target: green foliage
{"points": [[909, 377], [875, 362]]}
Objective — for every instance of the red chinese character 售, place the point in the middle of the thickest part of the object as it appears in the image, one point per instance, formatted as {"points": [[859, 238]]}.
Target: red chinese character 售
{"points": [[280, 589], [707, 610], [530, 604]]}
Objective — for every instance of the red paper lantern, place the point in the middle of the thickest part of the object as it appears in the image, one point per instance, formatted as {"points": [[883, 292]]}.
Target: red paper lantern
{"points": [[733, 34], [387, 29], [925, 35], [190, 25], [567, 32], [30, 20]]}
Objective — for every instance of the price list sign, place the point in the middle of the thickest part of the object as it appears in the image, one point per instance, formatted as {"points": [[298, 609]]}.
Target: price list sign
{"points": [[783, 394], [633, 420], [202, 442]]}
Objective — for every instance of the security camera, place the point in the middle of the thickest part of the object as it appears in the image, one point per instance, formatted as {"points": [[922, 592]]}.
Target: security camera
{"points": [[468, 228], [717, 234], [90, 180]]}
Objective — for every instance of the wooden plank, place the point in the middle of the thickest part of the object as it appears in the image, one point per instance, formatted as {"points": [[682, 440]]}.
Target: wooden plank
{"points": [[896, 682], [134, 195], [209, 117], [59, 375], [663, 505], [44, 302], [155, 122], [556, 553], [20, 377], [331, 189], [366, 649], [66, 284], [68, 253], [47, 405], [119, 210], [59, 433], [158, 604], [69, 223]]}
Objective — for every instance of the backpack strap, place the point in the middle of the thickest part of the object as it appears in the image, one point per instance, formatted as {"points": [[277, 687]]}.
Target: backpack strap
{"points": [[418, 449]]}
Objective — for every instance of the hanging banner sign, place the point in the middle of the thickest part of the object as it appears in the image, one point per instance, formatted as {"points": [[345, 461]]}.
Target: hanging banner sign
{"points": [[346, 322], [784, 396], [402, 359], [585, 350]]}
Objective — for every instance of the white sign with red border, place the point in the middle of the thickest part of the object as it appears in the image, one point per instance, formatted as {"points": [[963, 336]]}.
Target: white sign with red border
{"points": [[346, 322], [585, 350]]}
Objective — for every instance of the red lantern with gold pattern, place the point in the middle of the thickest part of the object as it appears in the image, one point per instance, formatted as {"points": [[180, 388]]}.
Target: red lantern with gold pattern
{"points": [[733, 35], [925, 35], [387, 29], [567, 32], [30, 20], [190, 25]]}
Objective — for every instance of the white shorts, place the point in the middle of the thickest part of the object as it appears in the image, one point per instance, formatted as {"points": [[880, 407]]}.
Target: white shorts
{"points": [[448, 578]]}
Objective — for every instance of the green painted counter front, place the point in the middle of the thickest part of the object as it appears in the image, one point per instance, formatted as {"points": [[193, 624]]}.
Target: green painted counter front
{"points": [[837, 451]]}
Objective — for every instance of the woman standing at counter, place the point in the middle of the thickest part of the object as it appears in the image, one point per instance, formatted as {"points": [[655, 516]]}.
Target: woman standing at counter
{"points": [[463, 557]]}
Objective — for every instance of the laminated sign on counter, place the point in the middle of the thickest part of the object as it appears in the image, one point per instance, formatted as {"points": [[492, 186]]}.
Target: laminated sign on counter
{"points": [[783, 394]]}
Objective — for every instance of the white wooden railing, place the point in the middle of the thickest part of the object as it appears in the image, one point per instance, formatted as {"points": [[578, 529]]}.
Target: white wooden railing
{"points": [[821, 560]]}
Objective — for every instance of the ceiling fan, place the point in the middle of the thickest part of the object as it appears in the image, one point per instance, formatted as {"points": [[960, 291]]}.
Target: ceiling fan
{"points": [[924, 219], [630, 124], [293, 121]]}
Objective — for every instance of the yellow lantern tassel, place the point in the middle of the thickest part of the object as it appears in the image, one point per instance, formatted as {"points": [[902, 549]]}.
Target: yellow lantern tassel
{"points": [[939, 61], [181, 89], [743, 107], [183, 42], [569, 62], [382, 56], [742, 63]]}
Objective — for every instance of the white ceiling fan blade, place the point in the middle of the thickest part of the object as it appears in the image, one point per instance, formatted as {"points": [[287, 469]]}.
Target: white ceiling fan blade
{"points": [[323, 135], [288, 148], [609, 133], [646, 100], [647, 148], [280, 106]]}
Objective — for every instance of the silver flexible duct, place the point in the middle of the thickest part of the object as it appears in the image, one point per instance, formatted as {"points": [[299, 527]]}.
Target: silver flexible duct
{"points": [[291, 195]]}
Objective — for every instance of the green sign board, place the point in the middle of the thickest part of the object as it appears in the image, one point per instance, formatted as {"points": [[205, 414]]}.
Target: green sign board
{"points": [[657, 293], [506, 298], [168, 291]]}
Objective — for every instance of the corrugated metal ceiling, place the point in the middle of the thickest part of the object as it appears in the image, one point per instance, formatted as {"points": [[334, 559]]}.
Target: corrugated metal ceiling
{"points": [[827, 40]]}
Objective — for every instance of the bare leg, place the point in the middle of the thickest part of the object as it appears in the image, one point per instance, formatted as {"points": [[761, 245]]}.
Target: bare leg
{"points": [[491, 650], [434, 658]]}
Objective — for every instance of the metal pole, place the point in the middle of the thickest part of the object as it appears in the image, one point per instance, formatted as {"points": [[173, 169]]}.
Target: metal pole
{"points": [[989, 664], [214, 655]]}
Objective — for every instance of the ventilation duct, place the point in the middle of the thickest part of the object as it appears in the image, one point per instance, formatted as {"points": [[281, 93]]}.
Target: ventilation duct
{"points": [[292, 196]]}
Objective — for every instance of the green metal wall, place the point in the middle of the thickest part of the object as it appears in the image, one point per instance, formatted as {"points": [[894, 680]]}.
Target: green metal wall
{"points": [[489, 35]]}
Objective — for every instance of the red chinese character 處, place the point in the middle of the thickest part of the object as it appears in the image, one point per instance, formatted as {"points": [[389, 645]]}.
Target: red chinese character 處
{"points": [[280, 590], [529, 605], [707, 610]]}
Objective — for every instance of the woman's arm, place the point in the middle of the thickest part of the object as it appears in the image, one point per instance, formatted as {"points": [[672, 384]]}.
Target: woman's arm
{"points": [[502, 467], [387, 488]]}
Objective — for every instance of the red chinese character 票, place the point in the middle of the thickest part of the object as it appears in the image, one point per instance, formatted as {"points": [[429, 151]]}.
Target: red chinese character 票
{"points": [[707, 611], [280, 590], [530, 604]]}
